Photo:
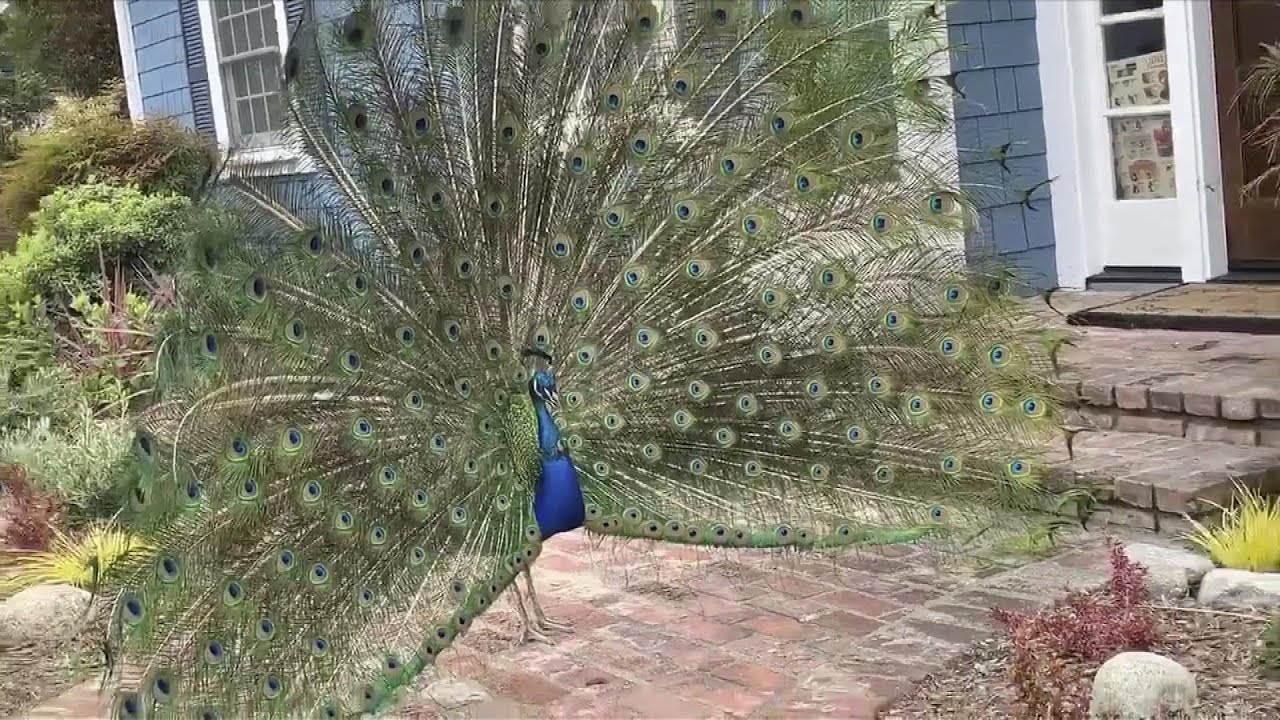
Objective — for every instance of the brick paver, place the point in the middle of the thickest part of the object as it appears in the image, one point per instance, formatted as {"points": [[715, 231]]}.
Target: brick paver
{"points": [[664, 632]]}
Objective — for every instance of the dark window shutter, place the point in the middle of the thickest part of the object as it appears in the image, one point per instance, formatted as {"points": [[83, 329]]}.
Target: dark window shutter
{"points": [[197, 70], [293, 11]]}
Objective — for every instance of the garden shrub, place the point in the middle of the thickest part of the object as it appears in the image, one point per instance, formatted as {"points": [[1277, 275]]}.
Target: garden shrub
{"points": [[86, 465], [88, 140], [78, 229], [1248, 536], [1083, 627]]}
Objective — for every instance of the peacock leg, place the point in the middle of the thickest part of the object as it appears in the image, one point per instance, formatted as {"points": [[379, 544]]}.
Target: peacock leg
{"points": [[528, 632], [544, 623]]}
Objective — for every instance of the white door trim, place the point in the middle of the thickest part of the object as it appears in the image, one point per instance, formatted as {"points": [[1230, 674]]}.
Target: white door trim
{"points": [[128, 59], [1062, 150]]}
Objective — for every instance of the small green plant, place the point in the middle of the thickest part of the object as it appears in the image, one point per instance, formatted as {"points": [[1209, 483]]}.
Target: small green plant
{"points": [[84, 561], [1248, 538], [81, 231], [85, 465], [1268, 656]]}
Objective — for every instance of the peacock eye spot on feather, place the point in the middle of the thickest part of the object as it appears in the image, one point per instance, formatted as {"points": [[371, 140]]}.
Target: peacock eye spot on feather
{"points": [[437, 200], [797, 17], [387, 185], [729, 166], [640, 146], [319, 573], [578, 163], [720, 16], [210, 345], [880, 223], [936, 512], [353, 29], [998, 355], [804, 183], [508, 133], [541, 49], [420, 126], [133, 608], [315, 244], [681, 86], [613, 218], [614, 101], [779, 124], [645, 23]]}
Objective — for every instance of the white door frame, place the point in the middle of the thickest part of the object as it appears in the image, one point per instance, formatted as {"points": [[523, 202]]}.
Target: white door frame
{"points": [[1079, 157]]}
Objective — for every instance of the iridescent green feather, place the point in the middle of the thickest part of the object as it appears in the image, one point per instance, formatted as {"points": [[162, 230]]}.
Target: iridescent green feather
{"points": [[735, 230]]}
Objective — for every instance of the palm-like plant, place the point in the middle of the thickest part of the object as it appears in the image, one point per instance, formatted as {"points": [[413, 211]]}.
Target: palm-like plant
{"points": [[1261, 93]]}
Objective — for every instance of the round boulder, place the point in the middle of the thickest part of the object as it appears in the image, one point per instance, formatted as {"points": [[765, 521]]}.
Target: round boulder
{"points": [[43, 613], [1142, 686]]}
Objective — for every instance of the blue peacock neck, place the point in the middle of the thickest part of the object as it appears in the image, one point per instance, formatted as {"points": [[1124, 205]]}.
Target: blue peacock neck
{"points": [[548, 433]]}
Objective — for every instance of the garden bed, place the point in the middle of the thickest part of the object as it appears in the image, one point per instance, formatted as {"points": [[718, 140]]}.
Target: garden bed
{"points": [[1217, 647]]}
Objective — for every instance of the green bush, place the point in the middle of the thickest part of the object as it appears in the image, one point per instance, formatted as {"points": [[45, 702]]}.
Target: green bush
{"points": [[86, 464], [78, 229], [86, 141]]}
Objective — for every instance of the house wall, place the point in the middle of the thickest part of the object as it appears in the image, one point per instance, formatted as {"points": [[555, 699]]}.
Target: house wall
{"points": [[996, 60]]}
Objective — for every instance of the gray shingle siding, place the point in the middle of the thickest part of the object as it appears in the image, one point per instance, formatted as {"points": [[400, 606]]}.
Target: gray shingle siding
{"points": [[996, 59]]}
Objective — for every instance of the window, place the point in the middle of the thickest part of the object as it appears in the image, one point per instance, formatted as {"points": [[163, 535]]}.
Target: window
{"points": [[1137, 112], [249, 55]]}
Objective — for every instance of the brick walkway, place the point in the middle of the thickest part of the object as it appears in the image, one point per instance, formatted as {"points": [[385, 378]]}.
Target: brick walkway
{"points": [[670, 632]]}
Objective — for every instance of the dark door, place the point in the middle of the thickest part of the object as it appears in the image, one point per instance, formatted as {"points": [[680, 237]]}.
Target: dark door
{"points": [[1253, 222]]}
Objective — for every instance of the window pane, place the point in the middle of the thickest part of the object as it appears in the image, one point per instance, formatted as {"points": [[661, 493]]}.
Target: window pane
{"points": [[1112, 7], [227, 48], [1137, 67], [239, 80], [245, 116], [275, 111], [235, 6], [240, 33], [269, 26], [255, 32], [254, 71], [271, 73], [259, 114], [1143, 151]]}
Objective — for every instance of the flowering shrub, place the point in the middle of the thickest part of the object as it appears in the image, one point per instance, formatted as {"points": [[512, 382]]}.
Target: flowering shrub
{"points": [[29, 514], [1083, 627]]}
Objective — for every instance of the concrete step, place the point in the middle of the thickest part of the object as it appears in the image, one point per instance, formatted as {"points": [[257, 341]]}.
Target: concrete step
{"points": [[1153, 481]]}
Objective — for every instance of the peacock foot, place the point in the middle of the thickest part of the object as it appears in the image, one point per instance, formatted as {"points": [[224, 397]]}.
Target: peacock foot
{"points": [[532, 634], [546, 624]]}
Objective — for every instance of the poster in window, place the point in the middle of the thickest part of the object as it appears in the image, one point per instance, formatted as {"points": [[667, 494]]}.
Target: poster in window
{"points": [[1143, 151], [1139, 80]]}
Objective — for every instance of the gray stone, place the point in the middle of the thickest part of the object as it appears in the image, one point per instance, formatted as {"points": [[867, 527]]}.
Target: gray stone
{"points": [[1140, 685], [43, 613], [1240, 589], [1170, 571], [453, 693]]}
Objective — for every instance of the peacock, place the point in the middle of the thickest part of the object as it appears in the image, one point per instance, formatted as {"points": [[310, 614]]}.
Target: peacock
{"points": [[689, 271]]}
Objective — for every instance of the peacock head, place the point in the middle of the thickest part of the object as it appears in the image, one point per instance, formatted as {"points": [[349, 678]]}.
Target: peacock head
{"points": [[542, 386]]}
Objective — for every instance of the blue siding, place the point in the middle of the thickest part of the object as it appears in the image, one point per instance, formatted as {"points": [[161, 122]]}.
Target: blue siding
{"points": [[996, 60], [161, 60]]}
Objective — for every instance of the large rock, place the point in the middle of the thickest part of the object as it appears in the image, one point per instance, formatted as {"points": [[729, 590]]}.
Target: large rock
{"points": [[1142, 686], [43, 613], [1240, 589], [1171, 572], [453, 693]]}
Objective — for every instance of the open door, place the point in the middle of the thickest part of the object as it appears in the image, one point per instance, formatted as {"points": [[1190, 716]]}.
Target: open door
{"points": [[1253, 223]]}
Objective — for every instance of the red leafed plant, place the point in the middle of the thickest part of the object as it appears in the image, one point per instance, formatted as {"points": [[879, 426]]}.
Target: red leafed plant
{"points": [[29, 514], [1081, 628]]}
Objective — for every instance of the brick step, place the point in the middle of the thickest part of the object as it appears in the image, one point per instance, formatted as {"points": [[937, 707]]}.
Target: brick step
{"points": [[1150, 481], [1258, 430], [1205, 387]]}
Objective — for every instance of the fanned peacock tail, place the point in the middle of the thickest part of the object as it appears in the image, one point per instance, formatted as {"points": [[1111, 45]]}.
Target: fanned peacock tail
{"points": [[729, 226]]}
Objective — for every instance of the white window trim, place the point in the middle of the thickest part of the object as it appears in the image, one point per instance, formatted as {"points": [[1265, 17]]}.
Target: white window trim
{"points": [[271, 158], [128, 59], [1200, 248]]}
